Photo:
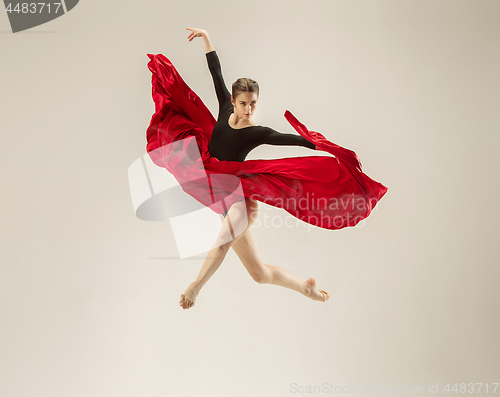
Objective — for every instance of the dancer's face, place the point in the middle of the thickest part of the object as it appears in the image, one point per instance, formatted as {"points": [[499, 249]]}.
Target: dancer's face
{"points": [[245, 104]]}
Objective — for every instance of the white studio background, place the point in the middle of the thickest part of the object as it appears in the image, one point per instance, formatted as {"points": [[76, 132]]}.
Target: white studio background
{"points": [[89, 293]]}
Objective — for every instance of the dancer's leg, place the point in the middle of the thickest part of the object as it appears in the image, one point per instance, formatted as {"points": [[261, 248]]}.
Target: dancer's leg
{"points": [[262, 273], [239, 218]]}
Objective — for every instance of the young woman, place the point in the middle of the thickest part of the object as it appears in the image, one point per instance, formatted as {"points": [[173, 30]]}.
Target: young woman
{"points": [[234, 136]]}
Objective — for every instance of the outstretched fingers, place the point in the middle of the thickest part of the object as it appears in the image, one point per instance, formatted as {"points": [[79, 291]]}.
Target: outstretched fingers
{"points": [[194, 33], [191, 35]]}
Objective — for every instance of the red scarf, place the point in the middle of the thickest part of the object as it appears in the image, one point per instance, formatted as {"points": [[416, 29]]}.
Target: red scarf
{"points": [[329, 192]]}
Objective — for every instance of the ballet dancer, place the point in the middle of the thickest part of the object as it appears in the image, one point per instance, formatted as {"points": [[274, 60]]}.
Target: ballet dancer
{"points": [[234, 136]]}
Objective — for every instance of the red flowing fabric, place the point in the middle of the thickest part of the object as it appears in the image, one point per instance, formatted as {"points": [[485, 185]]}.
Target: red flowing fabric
{"points": [[324, 191]]}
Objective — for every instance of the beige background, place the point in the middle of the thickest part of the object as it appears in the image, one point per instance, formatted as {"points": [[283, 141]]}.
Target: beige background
{"points": [[89, 293]]}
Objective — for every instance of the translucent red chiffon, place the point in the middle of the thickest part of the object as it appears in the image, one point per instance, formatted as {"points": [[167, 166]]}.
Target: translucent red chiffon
{"points": [[329, 192]]}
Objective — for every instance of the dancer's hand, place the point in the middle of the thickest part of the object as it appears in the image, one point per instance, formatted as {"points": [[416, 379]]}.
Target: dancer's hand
{"points": [[196, 33], [201, 33]]}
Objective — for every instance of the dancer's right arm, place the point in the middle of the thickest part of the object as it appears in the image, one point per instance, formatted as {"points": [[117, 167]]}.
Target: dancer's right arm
{"points": [[223, 95]]}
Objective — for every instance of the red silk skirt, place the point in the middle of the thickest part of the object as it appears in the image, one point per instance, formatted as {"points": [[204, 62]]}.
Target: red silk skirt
{"points": [[324, 191]]}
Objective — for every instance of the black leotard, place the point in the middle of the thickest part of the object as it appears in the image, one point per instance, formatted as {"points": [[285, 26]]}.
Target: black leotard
{"points": [[230, 144]]}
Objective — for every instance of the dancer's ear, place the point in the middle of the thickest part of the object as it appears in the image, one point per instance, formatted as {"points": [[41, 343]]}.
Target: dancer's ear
{"points": [[232, 100]]}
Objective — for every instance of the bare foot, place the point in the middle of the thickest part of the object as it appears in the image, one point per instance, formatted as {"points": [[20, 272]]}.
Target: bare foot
{"points": [[188, 298], [315, 293]]}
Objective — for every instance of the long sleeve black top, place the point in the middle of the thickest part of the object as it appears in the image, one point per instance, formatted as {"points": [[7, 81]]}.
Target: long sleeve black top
{"points": [[231, 144]]}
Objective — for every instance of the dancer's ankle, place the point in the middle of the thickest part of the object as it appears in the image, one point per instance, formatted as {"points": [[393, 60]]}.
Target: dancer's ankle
{"points": [[195, 287]]}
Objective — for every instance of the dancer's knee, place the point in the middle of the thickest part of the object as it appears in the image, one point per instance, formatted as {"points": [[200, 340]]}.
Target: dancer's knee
{"points": [[261, 275]]}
